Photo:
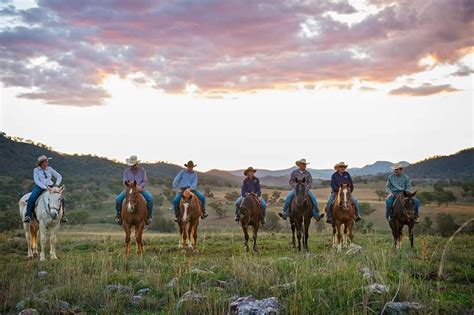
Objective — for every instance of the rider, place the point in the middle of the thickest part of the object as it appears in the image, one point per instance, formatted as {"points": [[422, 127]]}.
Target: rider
{"points": [[397, 183], [300, 173], [42, 175], [250, 185], [187, 179], [341, 176], [136, 173]]}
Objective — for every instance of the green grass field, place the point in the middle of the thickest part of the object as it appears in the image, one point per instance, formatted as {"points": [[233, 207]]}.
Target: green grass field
{"points": [[321, 282]]}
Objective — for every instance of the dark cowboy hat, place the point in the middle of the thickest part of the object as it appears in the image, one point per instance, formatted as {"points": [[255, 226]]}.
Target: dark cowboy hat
{"points": [[249, 169], [190, 163]]}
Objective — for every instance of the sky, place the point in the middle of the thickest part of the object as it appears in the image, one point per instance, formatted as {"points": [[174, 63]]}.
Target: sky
{"points": [[229, 84]]}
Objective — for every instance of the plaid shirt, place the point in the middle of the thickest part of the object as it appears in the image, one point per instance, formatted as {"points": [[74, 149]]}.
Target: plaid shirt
{"points": [[300, 175], [397, 184]]}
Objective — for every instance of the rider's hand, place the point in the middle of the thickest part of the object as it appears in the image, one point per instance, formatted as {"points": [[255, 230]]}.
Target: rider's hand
{"points": [[139, 188], [389, 195]]}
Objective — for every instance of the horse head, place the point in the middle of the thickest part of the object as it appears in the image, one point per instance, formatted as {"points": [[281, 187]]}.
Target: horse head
{"points": [[408, 205], [188, 203], [344, 196], [131, 196], [55, 196], [300, 192]]}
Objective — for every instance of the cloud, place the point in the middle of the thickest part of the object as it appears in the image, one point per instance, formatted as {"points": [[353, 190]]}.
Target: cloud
{"points": [[423, 90], [463, 71], [222, 46]]}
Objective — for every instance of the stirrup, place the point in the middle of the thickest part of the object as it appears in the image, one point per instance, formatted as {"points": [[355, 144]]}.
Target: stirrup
{"points": [[282, 215], [27, 219]]}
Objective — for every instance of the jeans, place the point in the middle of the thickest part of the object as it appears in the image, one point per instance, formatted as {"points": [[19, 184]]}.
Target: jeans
{"points": [[291, 194], [389, 204], [332, 196], [262, 202], [178, 196], [148, 198], [35, 193]]}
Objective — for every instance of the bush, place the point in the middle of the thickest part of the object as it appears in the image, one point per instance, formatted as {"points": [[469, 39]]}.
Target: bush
{"points": [[426, 226], [162, 224], [9, 220], [218, 208], [232, 196], [272, 223], [78, 217], [365, 208], [445, 224]]}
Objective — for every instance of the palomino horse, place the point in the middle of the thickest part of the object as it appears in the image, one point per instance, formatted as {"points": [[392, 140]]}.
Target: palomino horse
{"points": [[300, 214], [189, 214], [48, 212], [250, 214], [403, 214], [133, 214], [343, 212]]}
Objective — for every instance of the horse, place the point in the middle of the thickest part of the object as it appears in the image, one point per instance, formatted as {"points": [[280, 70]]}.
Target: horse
{"points": [[300, 214], [189, 215], [250, 214], [48, 212], [343, 212], [403, 214], [133, 214]]}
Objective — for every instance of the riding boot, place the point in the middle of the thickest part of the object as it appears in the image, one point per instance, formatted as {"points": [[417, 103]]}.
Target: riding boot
{"points": [[358, 218], [329, 220], [417, 220], [27, 219], [148, 220], [263, 221], [204, 213], [282, 215], [64, 219], [237, 217], [118, 219]]}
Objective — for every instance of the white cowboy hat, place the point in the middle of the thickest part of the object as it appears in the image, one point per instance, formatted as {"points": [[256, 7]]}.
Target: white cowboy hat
{"points": [[132, 160], [396, 166], [340, 164], [42, 158], [302, 161]]}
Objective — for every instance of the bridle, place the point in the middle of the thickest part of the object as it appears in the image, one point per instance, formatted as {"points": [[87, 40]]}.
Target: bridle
{"points": [[404, 209], [305, 195], [345, 201], [48, 207]]}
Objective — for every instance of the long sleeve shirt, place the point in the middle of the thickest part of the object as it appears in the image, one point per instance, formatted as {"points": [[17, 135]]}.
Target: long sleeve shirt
{"points": [[338, 179], [397, 184], [300, 175], [138, 175], [43, 177], [185, 179], [251, 186]]}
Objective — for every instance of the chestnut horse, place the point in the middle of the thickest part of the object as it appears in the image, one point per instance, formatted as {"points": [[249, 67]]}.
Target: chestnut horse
{"points": [[189, 215], [403, 214], [133, 214], [300, 214], [343, 212], [250, 214]]}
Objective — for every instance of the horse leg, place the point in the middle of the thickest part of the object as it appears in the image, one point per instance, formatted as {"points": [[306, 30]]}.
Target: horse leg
{"points": [[351, 232], [128, 231], [339, 238], [306, 233], [334, 236], [52, 244], [293, 227], [190, 231], [29, 238], [34, 230], [299, 233], [255, 230], [411, 233], [138, 238], [43, 241], [181, 235], [344, 239], [245, 228], [195, 235]]}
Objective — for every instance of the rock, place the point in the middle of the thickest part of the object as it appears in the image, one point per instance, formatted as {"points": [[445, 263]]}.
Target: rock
{"points": [[285, 287], [377, 288], [196, 271], [140, 283], [309, 255], [29, 311], [367, 274], [42, 274], [401, 308], [173, 283], [249, 305], [354, 249], [143, 292], [118, 289], [135, 300], [63, 305], [20, 305], [189, 297]]}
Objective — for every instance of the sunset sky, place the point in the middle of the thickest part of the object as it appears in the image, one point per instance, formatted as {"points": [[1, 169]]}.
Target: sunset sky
{"points": [[235, 83]]}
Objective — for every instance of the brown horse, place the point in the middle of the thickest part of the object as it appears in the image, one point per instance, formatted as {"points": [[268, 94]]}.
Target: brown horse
{"points": [[403, 214], [343, 212], [189, 215], [300, 214], [133, 214], [250, 214]]}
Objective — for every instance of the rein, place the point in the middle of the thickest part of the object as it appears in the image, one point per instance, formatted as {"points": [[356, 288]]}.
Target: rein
{"points": [[48, 207], [404, 209]]}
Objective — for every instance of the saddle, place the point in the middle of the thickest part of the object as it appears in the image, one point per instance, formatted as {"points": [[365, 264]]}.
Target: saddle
{"points": [[255, 197]]}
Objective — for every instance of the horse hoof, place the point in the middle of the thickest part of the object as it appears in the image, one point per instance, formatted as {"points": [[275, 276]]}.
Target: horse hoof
{"points": [[54, 258], [42, 259]]}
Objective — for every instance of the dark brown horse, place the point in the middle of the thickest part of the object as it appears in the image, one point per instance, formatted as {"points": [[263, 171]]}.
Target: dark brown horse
{"points": [[343, 212], [189, 215], [250, 214], [403, 214], [300, 214], [133, 214]]}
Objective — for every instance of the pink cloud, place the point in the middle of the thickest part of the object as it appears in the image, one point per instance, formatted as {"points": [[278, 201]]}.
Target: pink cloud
{"points": [[423, 90]]}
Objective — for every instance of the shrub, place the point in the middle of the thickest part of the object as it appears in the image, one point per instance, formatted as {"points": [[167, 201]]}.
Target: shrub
{"points": [[218, 208], [9, 220], [232, 195], [78, 217], [445, 224], [272, 223]]}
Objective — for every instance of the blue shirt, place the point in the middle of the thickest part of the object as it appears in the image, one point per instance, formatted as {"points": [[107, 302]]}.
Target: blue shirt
{"points": [[43, 177], [397, 184], [337, 180], [185, 179], [251, 186]]}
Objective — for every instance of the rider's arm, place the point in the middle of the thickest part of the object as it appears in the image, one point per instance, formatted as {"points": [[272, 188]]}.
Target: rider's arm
{"points": [[242, 189], [144, 180], [408, 184], [56, 175], [177, 180], [309, 182], [259, 191], [350, 182], [292, 181], [37, 180], [388, 190], [334, 183]]}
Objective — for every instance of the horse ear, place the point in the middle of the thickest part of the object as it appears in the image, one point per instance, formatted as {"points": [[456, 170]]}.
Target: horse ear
{"points": [[296, 180], [404, 193], [134, 183], [125, 182], [62, 188], [413, 194], [304, 180]]}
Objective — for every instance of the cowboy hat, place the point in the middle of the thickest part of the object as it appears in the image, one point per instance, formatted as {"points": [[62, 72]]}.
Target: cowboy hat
{"points": [[190, 163], [42, 158], [396, 166], [301, 161], [132, 160], [249, 169], [340, 164]]}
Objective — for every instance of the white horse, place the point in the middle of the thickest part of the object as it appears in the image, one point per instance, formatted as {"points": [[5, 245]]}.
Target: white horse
{"points": [[49, 212]]}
